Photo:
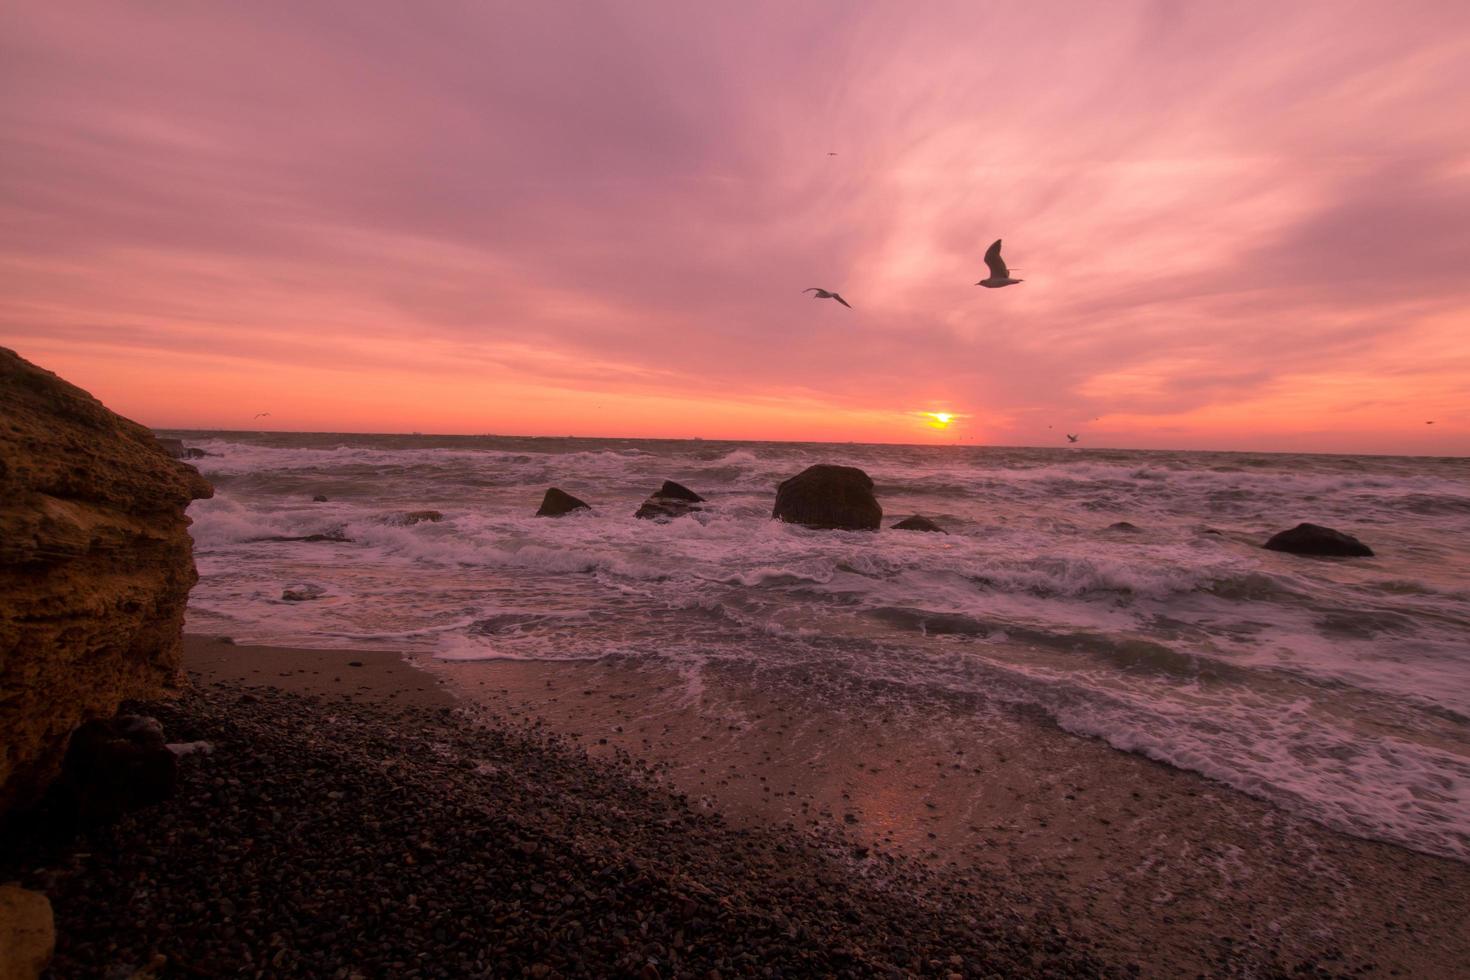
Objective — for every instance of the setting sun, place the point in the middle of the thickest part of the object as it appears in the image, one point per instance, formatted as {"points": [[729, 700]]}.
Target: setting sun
{"points": [[939, 420]]}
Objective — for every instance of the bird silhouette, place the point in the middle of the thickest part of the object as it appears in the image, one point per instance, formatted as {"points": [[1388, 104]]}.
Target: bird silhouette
{"points": [[261, 414], [826, 294], [999, 274], [1072, 438]]}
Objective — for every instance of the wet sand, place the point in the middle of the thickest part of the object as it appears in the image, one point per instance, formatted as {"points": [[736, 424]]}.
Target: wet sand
{"points": [[1148, 864], [1158, 866]]}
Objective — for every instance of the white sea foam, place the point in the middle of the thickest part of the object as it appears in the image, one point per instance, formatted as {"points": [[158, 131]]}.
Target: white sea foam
{"points": [[1338, 689]]}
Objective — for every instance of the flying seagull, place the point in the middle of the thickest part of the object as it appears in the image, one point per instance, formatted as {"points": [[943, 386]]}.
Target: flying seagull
{"points": [[1071, 438], [999, 275], [826, 294], [260, 414], [1428, 423]]}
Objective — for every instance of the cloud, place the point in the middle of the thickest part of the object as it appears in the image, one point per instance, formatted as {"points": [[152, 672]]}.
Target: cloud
{"points": [[629, 200]]}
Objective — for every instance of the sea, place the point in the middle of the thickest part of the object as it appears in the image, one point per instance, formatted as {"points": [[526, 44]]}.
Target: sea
{"points": [[1121, 595]]}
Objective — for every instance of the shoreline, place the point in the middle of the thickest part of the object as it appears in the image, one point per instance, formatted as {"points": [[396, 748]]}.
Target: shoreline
{"points": [[1151, 864]]}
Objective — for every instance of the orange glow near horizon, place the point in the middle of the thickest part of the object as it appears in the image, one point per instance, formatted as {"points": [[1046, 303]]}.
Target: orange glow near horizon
{"points": [[1259, 245]]}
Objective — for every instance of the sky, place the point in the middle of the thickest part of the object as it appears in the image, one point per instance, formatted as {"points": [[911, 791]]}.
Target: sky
{"points": [[1240, 226]]}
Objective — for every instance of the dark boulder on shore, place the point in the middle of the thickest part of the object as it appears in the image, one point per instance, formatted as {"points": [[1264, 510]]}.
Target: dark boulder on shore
{"points": [[829, 497], [669, 501], [113, 766], [558, 502], [320, 498], [917, 523], [96, 564], [1314, 539]]}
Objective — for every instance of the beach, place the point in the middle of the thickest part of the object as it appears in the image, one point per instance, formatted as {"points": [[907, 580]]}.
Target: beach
{"points": [[361, 816]]}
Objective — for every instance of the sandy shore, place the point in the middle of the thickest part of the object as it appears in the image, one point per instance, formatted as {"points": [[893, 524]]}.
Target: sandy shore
{"points": [[1154, 865], [351, 820], [328, 837]]}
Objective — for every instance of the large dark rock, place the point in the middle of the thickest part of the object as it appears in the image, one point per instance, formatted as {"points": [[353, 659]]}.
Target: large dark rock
{"points": [[917, 523], [830, 498], [669, 501], [1313, 539], [558, 502], [96, 564], [113, 766]]}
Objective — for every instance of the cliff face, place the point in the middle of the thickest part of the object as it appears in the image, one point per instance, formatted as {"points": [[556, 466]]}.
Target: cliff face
{"points": [[96, 564]]}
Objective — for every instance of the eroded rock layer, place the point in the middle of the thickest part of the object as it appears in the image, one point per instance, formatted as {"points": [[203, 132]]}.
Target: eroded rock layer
{"points": [[96, 564]]}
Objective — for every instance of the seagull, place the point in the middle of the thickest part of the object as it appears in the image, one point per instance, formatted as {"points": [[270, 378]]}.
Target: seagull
{"points": [[1071, 438], [831, 154], [826, 294], [1428, 423], [999, 275], [261, 414]]}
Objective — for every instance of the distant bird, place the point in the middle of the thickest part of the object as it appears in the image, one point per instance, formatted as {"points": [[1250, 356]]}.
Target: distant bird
{"points": [[1428, 423], [261, 414], [831, 154], [826, 294], [999, 274], [1071, 438]]}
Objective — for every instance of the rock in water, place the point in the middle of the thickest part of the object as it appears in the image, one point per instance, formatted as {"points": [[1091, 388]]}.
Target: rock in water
{"points": [[411, 517], [1313, 539], [917, 523], [669, 501], [303, 593], [27, 933], [558, 502], [177, 449], [829, 497], [96, 564]]}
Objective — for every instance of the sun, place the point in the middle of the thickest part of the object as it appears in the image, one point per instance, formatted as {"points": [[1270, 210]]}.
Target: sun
{"points": [[939, 420]]}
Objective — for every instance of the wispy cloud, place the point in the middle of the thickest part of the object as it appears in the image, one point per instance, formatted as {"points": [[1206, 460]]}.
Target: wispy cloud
{"points": [[1235, 227]]}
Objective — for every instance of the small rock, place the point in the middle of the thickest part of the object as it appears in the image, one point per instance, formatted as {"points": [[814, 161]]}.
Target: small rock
{"points": [[669, 501], [1313, 539], [412, 517], [558, 502], [1124, 526], [917, 523], [27, 933], [303, 593], [320, 498]]}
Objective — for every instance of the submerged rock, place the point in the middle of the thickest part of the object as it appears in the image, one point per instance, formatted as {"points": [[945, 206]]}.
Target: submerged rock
{"points": [[177, 449], [1313, 539], [829, 497], [303, 593], [27, 933], [320, 498], [917, 523], [96, 564], [558, 502], [669, 501], [334, 536], [412, 517], [1124, 526]]}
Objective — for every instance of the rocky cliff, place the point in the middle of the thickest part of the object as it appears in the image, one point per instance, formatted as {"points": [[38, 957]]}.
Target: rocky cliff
{"points": [[95, 566]]}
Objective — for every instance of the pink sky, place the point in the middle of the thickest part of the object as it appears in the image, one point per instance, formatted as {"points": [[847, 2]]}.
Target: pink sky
{"points": [[1241, 226]]}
